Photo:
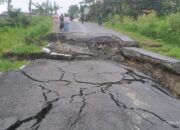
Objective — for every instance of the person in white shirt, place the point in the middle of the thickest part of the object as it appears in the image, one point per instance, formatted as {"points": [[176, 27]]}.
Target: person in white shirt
{"points": [[55, 21], [66, 22]]}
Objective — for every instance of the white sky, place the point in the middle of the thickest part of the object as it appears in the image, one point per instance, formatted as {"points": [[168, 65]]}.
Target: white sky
{"points": [[23, 4]]}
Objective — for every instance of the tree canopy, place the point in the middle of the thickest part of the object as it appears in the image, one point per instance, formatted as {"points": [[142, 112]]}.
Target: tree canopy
{"points": [[73, 10], [135, 7], [2, 1]]}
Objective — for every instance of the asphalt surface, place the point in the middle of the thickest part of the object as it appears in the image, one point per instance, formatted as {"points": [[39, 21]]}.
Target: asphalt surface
{"points": [[92, 29], [84, 95]]}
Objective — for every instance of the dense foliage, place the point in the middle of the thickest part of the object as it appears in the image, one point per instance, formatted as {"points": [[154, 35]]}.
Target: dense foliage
{"points": [[73, 11], [153, 23], [165, 30], [135, 7]]}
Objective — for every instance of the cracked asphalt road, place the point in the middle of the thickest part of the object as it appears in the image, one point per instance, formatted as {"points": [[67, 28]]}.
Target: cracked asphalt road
{"points": [[84, 95]]}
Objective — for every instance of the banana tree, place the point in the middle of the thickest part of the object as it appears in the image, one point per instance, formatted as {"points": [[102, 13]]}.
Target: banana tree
{"points": [[41, 8], [56, 7], [53, 8]]}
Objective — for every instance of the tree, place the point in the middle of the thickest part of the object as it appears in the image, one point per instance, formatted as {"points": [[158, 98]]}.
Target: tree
{"points": [[53, 8], [89, 2], [9, 5], [41, 8], [56, 7], [73, 10], [30, 9], [47, 8], [2, 1]]}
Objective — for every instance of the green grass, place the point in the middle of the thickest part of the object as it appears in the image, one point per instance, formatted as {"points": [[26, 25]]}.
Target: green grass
{"points": [[22, 41], [8, 65], [166, 49], [159, 35], [26, 49]]}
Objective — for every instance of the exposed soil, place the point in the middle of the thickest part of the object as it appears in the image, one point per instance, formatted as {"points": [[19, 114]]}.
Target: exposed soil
{"points": [[168, 79], [32, 56]]}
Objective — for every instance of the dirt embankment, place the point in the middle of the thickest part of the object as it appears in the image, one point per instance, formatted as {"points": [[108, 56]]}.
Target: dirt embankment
{"points": [[168, 79]]}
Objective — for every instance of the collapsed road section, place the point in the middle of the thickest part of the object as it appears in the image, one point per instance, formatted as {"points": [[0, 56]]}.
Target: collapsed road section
{"points": [[164, 69], [92, 88]]}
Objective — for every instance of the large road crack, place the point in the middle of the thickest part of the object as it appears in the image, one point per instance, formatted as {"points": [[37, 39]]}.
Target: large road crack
{"points": [[124, 106], [48, 81], [109, 84], [48, 106], [80, 94], [82, 107], [161, 89], [104, 87], [38, 117]]}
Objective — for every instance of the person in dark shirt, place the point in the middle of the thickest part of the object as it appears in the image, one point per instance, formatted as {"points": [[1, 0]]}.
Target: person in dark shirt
{"points": [[100, 19], [61, 21]]}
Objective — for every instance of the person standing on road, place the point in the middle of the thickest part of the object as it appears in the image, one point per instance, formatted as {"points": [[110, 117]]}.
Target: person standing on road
{"points": [[82, 18], [55, 21], [100, 19], [61, 18], [66, 22]]}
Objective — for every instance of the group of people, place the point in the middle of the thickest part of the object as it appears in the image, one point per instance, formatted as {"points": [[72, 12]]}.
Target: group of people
{"points": [[63, 20]]}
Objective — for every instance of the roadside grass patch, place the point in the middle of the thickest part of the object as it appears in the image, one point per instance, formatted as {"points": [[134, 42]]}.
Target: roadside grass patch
{"points": [[26, 49], [161, 35], [15, 40], [9, 65]]}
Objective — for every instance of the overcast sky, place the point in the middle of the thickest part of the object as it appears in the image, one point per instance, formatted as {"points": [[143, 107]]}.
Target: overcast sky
{"points": [[23, 4]]}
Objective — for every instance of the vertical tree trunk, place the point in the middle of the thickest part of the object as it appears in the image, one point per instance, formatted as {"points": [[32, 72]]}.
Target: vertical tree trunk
{"points": [[178, 3], [9, 6], [30, 9], [47, 8]]}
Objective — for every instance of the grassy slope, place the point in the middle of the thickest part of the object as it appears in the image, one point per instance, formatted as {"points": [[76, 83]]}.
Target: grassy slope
{"points": [[13, 40], [164, 45]]}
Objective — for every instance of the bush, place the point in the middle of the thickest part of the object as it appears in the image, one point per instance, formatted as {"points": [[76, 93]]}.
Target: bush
{"points": [[8, 65], [129, 23], [18, 19], [41, 28], [174, 20], [13, 40], [166, 29]]}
